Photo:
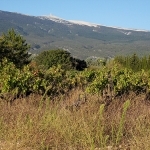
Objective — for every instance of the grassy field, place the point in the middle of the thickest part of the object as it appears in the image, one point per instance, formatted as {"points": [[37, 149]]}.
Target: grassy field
{"points": [[75, 122]]}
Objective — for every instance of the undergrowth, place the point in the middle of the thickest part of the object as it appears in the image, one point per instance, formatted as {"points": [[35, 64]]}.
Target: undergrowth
{"points": [[28, 125]]}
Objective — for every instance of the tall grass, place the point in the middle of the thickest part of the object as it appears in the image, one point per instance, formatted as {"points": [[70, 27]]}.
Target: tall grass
{"points": [[122, 121], [92, 126]]}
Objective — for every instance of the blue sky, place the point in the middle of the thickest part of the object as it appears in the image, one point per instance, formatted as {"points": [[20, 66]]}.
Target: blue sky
{"points": [[119, 13]]}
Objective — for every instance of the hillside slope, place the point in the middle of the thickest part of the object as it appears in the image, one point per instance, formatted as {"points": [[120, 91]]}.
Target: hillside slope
{"points": [[80, 38]]}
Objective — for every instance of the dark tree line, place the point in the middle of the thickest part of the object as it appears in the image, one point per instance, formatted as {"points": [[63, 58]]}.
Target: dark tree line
{"points": [[134, 62]]}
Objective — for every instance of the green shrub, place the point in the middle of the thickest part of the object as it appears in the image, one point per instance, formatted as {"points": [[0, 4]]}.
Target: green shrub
{"points": [[15, 82]]}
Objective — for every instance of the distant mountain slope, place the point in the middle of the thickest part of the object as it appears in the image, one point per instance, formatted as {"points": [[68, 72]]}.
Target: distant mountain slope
{"points": [[82, 39]]}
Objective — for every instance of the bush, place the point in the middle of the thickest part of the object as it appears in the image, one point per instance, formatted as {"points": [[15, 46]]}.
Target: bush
{"points": [[15, 82]]}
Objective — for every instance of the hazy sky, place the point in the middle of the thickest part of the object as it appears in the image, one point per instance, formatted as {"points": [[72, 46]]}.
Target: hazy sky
{"points": [[120, 13]]}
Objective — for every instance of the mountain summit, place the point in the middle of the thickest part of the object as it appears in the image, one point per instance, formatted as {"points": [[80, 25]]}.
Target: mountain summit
{"points": [[81, 39], [83, 23]]}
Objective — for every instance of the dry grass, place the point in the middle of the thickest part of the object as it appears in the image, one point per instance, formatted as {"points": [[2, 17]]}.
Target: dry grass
{"points": [[29, 124]]}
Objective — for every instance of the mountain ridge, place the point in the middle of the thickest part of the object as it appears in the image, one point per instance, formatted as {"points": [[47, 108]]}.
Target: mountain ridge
{"points": [[82, 41], [79, 22]]}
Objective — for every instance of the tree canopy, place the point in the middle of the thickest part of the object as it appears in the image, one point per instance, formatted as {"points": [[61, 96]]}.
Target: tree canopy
{"points": [[50, 58], [47, 59], [14, 48]]}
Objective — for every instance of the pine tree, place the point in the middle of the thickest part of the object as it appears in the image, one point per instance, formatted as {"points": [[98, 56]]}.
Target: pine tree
{"points": [[135, 62], [14, 48]]}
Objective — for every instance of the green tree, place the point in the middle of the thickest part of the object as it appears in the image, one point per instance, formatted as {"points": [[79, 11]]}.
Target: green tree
{"points": [[135, 62], [14, 48], [47, 59], [144, 63]]}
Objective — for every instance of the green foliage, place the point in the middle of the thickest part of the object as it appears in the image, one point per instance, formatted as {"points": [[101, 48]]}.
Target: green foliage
{"points": [[59, 81], [15, 82], [14, 48], [118, 80], [51, 58], [134, 62], [58, 57], [56, 80], [99, 82]]}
